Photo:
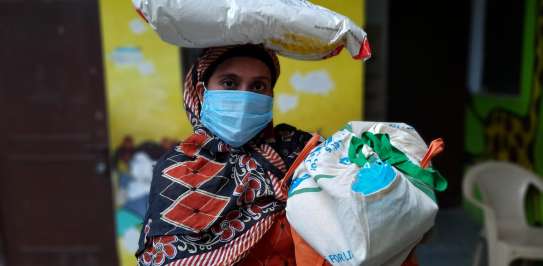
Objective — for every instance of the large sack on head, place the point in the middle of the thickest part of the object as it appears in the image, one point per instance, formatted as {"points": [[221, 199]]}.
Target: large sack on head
{"points": [[293, 28]]}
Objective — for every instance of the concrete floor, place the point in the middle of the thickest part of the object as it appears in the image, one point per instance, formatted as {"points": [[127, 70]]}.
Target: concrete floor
{"points": [[453, 241]]}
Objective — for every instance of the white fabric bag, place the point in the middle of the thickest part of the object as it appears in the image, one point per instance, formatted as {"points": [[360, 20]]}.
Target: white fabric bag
{"points": [[294, 28], [369, 215]]}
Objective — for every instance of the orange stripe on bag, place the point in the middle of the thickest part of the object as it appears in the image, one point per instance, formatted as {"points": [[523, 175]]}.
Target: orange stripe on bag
{"points": [[305, 151]]}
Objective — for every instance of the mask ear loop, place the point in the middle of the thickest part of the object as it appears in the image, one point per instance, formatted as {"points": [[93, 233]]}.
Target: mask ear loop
{"points": [[205, 90], [204, 85]]}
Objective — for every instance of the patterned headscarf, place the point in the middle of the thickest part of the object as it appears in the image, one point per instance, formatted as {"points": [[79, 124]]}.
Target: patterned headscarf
{"points": [[209, 203]]}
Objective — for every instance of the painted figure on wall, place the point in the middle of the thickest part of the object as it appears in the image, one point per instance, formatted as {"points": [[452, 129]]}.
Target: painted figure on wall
{"points": [[134, 168]]}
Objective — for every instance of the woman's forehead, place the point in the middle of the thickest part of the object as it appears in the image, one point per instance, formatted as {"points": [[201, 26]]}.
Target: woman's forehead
{"points": [[243, 66]]}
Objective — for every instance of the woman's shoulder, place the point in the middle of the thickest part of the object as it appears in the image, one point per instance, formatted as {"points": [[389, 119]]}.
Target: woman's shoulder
{"points": [[289, 141], [168, 158], [285, 133]]}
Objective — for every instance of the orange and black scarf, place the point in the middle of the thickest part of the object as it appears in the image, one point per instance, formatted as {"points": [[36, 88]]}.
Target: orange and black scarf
{"points": [[210, 203]]}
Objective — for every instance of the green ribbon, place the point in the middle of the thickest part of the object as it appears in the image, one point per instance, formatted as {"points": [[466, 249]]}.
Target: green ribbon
{"points": [[426, 179]]}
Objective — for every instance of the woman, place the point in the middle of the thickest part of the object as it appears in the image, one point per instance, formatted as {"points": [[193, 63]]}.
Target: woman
{"points": [[215, 198]]}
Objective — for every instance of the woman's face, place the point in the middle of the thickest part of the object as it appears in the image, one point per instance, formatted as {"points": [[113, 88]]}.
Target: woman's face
{"points": [[242, 73]]}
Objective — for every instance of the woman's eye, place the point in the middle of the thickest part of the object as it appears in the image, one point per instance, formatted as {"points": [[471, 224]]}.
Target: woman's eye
{"points": [[228, 84], [259, 87]]}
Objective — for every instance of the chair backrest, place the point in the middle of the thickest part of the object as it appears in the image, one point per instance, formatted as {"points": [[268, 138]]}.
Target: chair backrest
{"points": [[503, 187]]}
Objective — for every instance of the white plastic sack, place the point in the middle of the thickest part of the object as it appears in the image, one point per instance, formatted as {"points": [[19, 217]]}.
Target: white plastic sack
{"points": [[294, 28], [350, 220]]}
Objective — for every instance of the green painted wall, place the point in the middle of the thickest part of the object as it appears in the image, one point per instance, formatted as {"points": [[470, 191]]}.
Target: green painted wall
{"points": [[511, 127]]}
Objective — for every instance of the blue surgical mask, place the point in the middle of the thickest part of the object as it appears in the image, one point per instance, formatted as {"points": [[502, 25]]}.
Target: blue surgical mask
{"points": [[235, 116]]}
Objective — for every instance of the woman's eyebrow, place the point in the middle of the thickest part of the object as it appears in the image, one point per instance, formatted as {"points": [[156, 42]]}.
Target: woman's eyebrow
{"points": [[228, 75], [263, 77]]}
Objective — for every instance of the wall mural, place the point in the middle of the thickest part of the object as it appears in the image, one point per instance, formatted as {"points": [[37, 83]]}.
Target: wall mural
{"points": [[146, 114], [510, 129]]}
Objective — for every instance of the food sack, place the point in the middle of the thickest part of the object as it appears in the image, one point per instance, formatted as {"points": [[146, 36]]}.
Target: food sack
{"points": [[361, 197], [293, 28]]}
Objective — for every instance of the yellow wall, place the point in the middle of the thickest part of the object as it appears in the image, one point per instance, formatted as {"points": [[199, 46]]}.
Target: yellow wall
{"points": [[322, 95], [143, 88]]}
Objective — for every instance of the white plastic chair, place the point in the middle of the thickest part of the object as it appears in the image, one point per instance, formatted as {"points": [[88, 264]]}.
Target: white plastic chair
{"points": [[503, 188]]}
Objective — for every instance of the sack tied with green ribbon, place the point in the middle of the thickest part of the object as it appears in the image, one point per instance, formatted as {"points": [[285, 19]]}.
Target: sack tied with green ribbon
{"points": [[427, 179]]}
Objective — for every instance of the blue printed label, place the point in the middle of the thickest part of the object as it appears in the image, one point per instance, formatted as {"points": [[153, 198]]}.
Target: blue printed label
{"points": [[345, 161], [341, 257], [297, 181]]}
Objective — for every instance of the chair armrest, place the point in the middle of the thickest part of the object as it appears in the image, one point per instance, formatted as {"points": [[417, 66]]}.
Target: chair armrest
{"points": [[490, 223]]}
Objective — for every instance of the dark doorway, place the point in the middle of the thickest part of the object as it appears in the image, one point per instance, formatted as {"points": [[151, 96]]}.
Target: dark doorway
{"points": [[428, 51], [55, 190]]}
